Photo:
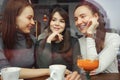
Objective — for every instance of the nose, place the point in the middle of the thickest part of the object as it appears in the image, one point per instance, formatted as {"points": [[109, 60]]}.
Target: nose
{"points": [[57, 23], [79, 21], [32, 22]]}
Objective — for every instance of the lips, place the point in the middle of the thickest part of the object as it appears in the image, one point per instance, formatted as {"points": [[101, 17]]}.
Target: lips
{"points": [[29, 27], [81, 27], [55, 28]]}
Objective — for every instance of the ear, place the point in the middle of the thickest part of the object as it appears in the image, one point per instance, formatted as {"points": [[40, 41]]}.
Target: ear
{"points": [[96, 16]]}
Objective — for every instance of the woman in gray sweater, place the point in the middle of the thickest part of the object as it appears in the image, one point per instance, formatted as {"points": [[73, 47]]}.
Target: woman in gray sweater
{"points": [[16, 42]]}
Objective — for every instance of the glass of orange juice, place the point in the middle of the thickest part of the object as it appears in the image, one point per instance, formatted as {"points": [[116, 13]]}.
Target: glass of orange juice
{"points": [[87, 65]]}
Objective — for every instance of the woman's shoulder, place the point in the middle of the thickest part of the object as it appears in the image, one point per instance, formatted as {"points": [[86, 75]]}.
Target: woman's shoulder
{"points": [[42, 35], [112, 35], [33, 38], [73, 39]]}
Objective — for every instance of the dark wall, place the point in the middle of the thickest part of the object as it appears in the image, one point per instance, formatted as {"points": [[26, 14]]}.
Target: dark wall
{"points": [[2, 5], [35, 1]]}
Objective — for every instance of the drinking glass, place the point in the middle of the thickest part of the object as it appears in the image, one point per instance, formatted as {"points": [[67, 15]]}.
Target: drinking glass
{"points": [[87, 65]]}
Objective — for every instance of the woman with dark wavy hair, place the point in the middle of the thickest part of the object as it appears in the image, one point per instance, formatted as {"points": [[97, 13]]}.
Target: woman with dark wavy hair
{"points": [[96, 41], [56, 46]]}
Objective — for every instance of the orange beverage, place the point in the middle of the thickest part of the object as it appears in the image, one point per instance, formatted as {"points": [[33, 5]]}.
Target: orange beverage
{"points": [[87, 64]]}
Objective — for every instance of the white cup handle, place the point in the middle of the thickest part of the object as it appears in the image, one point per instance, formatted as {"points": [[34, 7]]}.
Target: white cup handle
{"points": [[53, 74]]}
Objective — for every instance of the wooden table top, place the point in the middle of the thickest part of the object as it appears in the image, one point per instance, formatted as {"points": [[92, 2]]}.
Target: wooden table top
{"points": [[108, 76]]}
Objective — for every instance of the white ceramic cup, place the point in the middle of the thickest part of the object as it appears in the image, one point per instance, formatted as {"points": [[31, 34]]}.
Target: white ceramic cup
{"points": [[57, 71], [10, 73]]}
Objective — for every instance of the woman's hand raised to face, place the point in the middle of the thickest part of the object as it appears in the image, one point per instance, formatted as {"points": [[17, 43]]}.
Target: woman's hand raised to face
{"points": [[54, 37], [92, 25]]}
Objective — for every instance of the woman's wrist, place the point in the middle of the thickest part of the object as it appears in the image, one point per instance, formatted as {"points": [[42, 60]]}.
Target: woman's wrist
{"points": [[90, 36], [48, 40]]}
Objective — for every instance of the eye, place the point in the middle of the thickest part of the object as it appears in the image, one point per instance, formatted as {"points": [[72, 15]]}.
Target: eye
{"points": [[63, 21], [83, 16], [29, 18], [53, 19], [75, 18]]}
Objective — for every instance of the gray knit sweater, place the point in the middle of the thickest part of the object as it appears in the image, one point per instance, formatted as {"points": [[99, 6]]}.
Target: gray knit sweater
{"points": [[22, 56]]}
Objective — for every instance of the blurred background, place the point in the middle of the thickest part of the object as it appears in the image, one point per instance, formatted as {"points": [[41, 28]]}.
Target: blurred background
{"points": [[42, 7]]}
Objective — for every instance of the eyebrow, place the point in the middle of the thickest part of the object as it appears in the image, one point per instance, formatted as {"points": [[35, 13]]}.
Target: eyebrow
{"points": [[60, 19]]}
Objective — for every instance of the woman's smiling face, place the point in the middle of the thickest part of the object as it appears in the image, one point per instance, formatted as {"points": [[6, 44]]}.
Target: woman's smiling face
{"points": [[82, 16], [25, 20], [57, 23]]}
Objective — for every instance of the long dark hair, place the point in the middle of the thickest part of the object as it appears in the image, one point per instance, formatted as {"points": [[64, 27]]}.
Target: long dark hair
{"points": [[12, 10], [65, 44], [101, 31]]}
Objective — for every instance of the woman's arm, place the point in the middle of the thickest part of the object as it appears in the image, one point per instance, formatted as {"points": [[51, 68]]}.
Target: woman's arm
{"points": [[109, 53], [3, 60], [75, 52], [26, 73], [91, 48]]}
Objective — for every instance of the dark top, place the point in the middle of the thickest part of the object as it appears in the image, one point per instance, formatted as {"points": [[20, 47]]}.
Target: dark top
{"points": [[47, 56], [22, 56]]}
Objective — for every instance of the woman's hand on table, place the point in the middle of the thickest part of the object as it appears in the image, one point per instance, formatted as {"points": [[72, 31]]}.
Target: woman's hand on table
{"points": [[73, 76], [93, 72]]}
